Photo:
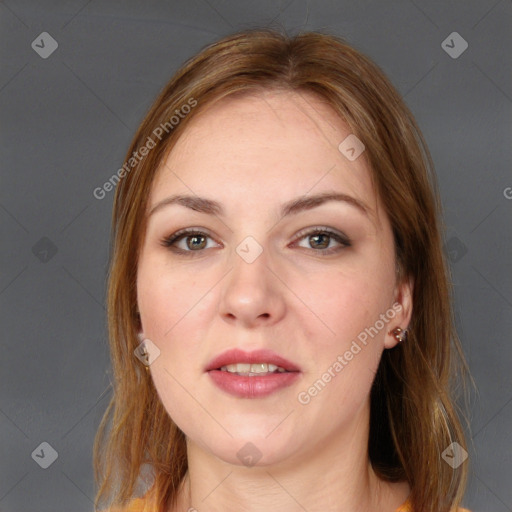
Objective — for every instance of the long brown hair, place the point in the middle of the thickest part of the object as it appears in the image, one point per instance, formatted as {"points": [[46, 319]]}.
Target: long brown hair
{"points": [[413, 416]]}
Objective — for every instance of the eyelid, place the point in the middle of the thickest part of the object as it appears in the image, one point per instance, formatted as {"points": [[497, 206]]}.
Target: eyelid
{"points": [[312, 230], [168, 241]]}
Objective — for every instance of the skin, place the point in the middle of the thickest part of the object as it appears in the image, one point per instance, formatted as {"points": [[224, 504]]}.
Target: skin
{"points": [[253, 154]]}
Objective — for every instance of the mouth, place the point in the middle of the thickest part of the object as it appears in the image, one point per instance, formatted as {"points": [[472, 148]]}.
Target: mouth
{"points": [[257, 362], [252, 374], [252, 370]]}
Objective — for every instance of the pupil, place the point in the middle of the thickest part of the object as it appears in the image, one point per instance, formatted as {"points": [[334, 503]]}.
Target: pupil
{"points": [[320, 236]]}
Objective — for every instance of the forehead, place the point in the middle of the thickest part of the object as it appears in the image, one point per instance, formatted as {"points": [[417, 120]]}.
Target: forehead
{"points": [[264, 146], [268, 113]]}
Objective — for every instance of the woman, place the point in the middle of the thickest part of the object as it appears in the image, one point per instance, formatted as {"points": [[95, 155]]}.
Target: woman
{"points": [[279, 305]]}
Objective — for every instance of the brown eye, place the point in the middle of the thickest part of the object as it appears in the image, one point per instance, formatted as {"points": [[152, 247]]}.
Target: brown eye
{"points": [[320, 240], [323, 240], [196, 242]]}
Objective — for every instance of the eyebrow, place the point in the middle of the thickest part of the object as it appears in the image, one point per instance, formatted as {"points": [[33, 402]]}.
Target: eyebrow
{"points": [[211, 207]]}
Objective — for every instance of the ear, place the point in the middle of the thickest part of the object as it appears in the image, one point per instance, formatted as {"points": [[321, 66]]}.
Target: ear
{"points": [[402, 305]]}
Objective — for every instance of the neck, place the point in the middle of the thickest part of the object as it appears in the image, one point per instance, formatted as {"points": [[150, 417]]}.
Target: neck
{"points": [[334, 475]]}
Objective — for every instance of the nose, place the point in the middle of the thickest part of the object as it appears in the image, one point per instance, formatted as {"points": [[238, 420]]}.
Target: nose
{"points": [[252, 295]]}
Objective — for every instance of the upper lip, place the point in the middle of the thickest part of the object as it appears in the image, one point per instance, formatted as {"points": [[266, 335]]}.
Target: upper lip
{"points": [[234, 356]]}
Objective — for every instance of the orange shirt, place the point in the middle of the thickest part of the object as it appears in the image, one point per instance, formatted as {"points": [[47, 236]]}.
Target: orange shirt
{"points": [[406, 508], [137, 505]]}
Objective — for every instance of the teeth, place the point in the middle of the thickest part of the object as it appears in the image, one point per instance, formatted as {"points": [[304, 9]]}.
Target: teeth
{"points": [[251, 370]]}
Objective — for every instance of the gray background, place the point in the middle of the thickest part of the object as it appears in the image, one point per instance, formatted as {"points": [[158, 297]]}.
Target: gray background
{"points": [[66, 122]]}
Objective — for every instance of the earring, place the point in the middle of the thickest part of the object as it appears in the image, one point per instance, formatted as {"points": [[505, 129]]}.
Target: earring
{"points": [[399, 334], [144, 354]]}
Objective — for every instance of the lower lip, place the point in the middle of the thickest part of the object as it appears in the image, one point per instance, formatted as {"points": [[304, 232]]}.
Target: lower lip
{"points": [[252, 387]]}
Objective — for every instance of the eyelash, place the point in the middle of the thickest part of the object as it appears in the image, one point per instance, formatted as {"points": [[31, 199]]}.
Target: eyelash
{"points": [[342, 239]]}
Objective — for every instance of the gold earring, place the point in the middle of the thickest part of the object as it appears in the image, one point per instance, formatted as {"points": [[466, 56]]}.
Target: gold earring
{"points": [[145, 354], [399, 334]]}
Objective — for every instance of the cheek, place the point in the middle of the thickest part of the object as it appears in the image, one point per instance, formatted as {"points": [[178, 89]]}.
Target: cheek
{"points": [[168, 305], [345, 355], [345, 358], [341, 304], [357, 310], [177, 312], [164, 298]]}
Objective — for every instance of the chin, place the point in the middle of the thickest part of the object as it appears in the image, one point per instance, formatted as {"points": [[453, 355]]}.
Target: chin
{"points": [[251, 447], [252, 454]]}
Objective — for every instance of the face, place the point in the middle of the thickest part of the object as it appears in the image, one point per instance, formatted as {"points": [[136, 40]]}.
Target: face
{"points": [[288, 262]]}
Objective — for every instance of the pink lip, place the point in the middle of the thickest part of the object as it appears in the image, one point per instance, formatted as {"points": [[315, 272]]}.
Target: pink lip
{"points": [[251, 387]]}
